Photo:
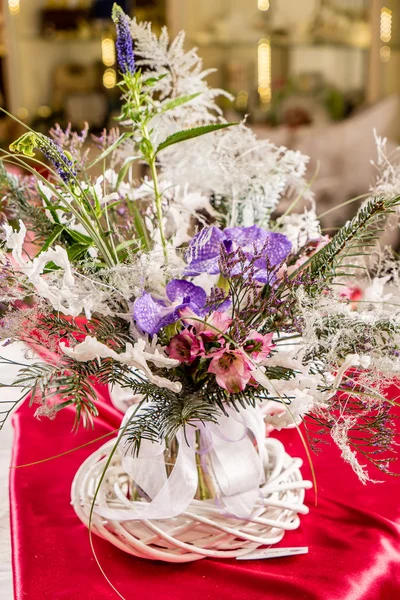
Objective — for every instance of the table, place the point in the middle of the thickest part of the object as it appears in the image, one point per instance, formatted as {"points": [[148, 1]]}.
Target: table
{"points": [[5, 541], [353, 534], [7, 374]]}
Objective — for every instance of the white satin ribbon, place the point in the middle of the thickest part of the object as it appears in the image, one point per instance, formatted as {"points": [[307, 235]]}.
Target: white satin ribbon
{"points": [[123, 398], [227, 450], [237, 466]]}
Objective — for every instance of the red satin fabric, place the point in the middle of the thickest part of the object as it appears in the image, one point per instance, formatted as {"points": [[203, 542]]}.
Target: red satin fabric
{"points": [[353, 534]]}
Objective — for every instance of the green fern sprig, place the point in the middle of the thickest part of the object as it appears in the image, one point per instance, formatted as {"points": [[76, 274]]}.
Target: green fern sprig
{"points": [[164, 413], [114, 331], [72, 386], [350, 241], [20, 198]]}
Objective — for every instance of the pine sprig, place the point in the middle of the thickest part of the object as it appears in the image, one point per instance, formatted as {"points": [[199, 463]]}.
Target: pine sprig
{"points": [[56, 386], [351, 240], [110, 330], [164, 413]]}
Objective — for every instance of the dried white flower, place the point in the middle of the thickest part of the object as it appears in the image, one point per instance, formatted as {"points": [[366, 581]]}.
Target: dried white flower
{"points": [[135, 356], [388, 180], [350, 361], [251, 174], [375, 292], [300, 228], [15, 241], [339, 435], [286, 416], [183, 72]]}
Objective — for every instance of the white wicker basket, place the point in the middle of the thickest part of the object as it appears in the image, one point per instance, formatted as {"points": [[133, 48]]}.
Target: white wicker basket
{"points": [[203, 529]]}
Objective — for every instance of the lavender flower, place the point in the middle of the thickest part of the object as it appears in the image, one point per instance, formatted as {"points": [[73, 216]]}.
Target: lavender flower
{"points": [[72, 142], [62, 164], [31, 140], [106, 138], [124, 44], [151, 314], [204, 250]]}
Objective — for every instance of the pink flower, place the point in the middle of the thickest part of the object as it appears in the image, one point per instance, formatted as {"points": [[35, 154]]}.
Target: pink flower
{"points": [[218, 320], [352, 293], [259, 346], [185, 347], [312, 249], [213, 326], [232, 370]]}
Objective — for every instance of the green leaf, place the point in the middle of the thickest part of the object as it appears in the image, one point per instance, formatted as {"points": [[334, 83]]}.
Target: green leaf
{"points": [[170, 104], [124, 169], [109, 206], [122, 138], [80, 238], [140, 226], [58, 229], [56, 207], [188, 134], [76, 251], [150, 81], [126, 244], [50, 207]]}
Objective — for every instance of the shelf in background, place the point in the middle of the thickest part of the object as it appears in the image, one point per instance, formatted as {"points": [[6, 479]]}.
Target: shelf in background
{"points": [[56, 40], [278, 43]]}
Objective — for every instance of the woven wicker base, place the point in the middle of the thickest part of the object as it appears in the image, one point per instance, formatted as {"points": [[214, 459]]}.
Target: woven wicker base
{"points": [[202, 530]]}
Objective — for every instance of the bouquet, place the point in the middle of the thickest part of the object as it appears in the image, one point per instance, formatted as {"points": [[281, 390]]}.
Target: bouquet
{"points": [[156, 267]]}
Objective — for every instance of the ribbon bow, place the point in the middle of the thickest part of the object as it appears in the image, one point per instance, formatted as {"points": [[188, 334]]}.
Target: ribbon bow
{"points": [[235, 464]]}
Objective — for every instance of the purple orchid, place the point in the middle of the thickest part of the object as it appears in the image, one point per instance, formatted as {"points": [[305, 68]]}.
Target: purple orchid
{"points": [[204, 250], [151, 314]]}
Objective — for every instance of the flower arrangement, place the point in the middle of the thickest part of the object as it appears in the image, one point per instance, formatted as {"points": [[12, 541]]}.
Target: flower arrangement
{"points": [[181, 287]]}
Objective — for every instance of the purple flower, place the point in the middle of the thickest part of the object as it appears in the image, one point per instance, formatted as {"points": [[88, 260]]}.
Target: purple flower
{"points": [[151, 314], [62, 163], [124, 43], [204, 251]]}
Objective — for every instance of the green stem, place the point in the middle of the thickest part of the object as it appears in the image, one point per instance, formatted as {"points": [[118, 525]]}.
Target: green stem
{"points": [[151, 161], [158, 201], [202, 487], [107, 217], [139, 223], [81, 215]]}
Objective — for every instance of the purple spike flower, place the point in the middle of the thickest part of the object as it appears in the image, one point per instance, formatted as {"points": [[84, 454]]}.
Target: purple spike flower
{"points": [[124, 43], [151, 314], [204, 251], [62, 164]]}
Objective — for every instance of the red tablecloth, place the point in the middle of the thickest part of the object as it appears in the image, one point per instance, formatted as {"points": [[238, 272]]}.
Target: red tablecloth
{"points": [[353, 535]]}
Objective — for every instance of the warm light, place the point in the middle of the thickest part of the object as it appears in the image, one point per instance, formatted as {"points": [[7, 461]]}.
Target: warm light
{"points": [[109, 78], [108, 52], [44, 112], [14, 7], [386, 25], [264, 70], [263, 4], [385, 53], [242, 99], [22, 113]]}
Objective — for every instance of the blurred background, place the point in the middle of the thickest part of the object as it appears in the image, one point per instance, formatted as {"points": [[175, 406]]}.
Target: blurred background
{"points": [[313, 75]]}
